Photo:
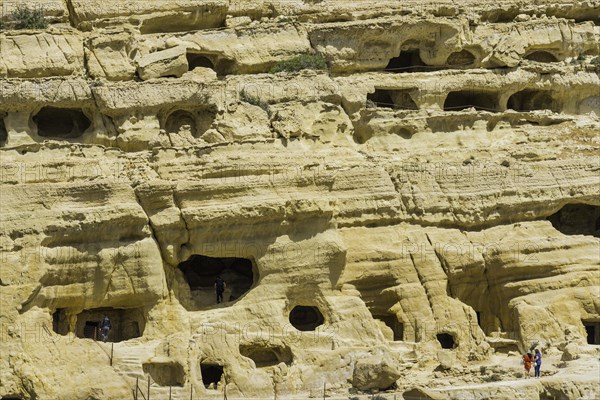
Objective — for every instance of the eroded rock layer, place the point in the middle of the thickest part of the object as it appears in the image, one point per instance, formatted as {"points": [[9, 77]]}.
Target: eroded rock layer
{"points": [[405, 220]]}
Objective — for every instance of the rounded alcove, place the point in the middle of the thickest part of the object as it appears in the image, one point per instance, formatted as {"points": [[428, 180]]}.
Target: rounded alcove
{"points": [[180, 120], [200, 273], [589, 104], [64, 123], [541, 56], [460, 58], [577, 219], [266, 356], [306, 318], [195, 122], [196, 60], [531, 100]]}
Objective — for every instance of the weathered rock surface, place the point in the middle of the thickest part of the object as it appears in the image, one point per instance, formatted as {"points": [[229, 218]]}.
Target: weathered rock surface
{"points": [[407, 219]]}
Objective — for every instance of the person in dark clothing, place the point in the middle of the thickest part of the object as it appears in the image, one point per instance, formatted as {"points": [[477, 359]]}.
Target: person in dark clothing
{"points": [[220, 288], [538, 362], [105, 328]]}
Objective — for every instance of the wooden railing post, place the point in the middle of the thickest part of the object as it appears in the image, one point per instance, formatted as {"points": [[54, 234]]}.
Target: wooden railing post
{"points": [[136, 387], [112, 351], [148, 398]]}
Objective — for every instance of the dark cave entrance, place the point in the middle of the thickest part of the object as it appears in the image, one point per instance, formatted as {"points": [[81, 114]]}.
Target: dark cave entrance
{"points": [[446, 340], [391, 321], [91, 330], [381, 99], [126, 323], [541, 56], [399, 99], [3, 133], [200, 273], [479, 99], [577, 219], [211, 374], [306, 318], [65, 123], [408, 61], [592, 330], [199, 60], [531, 100]]}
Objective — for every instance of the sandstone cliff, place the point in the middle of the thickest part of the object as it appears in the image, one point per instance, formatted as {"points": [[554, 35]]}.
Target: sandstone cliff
{"points": [[405, 220]]}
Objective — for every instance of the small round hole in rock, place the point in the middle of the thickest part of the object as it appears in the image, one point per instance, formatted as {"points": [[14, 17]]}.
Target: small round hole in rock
{"points": [[306, 318]]}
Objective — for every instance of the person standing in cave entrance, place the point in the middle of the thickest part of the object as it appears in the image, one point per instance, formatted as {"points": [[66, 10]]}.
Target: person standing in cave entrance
{"points": [[538, 362], [105, 327], [220, 288]]}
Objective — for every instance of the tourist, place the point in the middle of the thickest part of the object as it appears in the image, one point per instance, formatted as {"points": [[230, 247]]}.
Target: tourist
{"points": [[220, 288], [538, 362], [105, 328], [527, 361]]}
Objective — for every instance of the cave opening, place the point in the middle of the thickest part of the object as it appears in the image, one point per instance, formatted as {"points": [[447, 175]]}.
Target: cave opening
{"points": [[460, 58], [592, 330], [179, 121], [195, 122], [266, 356], [446, 340], [306, 318], [481, 100], [59, 322], [381, 98], [407, 61], [3, 133], [200, 273], [211, 374], [91, 330], [391, 321], [589, 104], [65, 123], [577, 219], [126, 323], [165, 373], [399, 99], [196, 60], [541, 56], [531, 100]]}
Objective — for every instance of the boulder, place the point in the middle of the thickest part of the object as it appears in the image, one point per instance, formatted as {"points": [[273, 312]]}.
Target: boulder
{"points": [[170, 62], [374, 373]]}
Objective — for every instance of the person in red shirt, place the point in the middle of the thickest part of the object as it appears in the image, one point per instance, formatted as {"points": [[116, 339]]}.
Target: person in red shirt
{"points": [[527, 362]]}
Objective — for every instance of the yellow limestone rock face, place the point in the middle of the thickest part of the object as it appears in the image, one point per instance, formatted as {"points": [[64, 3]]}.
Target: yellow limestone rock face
{"points": [[409, 219]]}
